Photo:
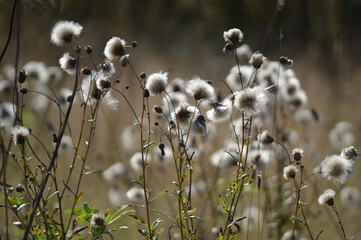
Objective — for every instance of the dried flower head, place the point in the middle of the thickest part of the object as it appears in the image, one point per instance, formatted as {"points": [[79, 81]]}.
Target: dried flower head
{"points": [[183, 115], [136, 161], [297, 154], [103, 83], [289, 172], [327, 197], [37, 71], [199, 89], [257, 60], [68, 63], [114, 172], [233, 35], [135, 195], [63, 32], [349, 153], [156, 83], [97, 220], [199, 127], [260, 159], [349, 195], [115, 48], [265, 138], [221, 111], [336, 168], [20, 134], [108, 68], [251, 101]]}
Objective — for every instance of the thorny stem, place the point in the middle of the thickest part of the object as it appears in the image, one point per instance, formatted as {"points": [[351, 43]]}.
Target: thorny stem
{"points": [[339, 221]]}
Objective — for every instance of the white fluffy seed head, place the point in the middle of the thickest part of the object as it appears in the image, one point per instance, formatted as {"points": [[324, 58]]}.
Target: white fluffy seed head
{"points": [[221, 111], [156, 83], [349, 153], [63, 32], [199, 127], [257, 60], [336, 168], [115, 48], [251, 101], [289, 172], [135, 195], [20, 134], [297, 154], [233, 35], [68, 63], [199, 89], [265, 138], [97, 220], [349, 195], [183, 115], [114, 172], [327, 197]]}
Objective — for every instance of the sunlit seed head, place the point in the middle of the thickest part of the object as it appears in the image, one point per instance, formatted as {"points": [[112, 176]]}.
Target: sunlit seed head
{"points": [[108, 68], [297, 154], [114, 172], [97, 220], [260, 159], [68, 63], [103, 83], [20, 134], [115, 48], [341, 135], [298, 100], [289, 172], [64, 31], [336, 168], [135, 195], [349, 195], [349, 153], [156, 83], [177, 85], [221, 111], [233, 35], [199, 127], [265, 138], [235, 80], [37, 71], [251, 101], [136, 161], [183, 115], [199, 89], [257, 60], [327, 197]]}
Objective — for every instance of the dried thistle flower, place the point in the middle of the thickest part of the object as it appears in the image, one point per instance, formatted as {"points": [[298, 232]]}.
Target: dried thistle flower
{"points": [[97, 220], [115, 48], [265, 138], [349, 153], [68, 63], [297, 154], [63, 32], [221, 111], [135, 194], [156, 83], [183, 114], [257, 60], [251, 101], [199, 89], [289, 172], [114, 172], [327, 197], [336, 168], [233, 35], [20, 134]]}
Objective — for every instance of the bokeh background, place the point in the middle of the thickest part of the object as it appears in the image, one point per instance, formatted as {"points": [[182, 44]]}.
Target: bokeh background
{"points": [[184, 38]]}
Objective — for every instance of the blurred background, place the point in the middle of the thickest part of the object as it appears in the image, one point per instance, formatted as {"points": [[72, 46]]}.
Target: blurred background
{"points": [[185, 38]]}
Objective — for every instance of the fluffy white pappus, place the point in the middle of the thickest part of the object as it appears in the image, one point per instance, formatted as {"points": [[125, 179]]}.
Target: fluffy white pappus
{"points": [[20, 134], [244, 53], [103, 82], [136, 161], [303, 115], [108, 68], [110, 101], [114, 172], [235, 81], [251, 101], [172, 100], [63, 95], [97, 220], [292, 86], [341, 135], [184, 114], [130, 137], [177, 85], [199, 89], [260, 159], [199, 127], [55, 74], [289, 172], [233, 35], [37, 71], [349, 195], [220, 112], [7, 114], [40, 102], [257, 59], [298, 100], [5, 86], [136, 195], [350, 153], [327, 197], [115, 48], [9, 71], [66, 145], [157, 83], [116, 196], [336, 168], [64, 31], [68, 63], [224, 159]]}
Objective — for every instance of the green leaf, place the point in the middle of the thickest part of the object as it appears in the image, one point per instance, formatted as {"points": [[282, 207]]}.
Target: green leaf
{"points": [[67, 187], [19, 225], [87, 209], [223, 203], [148, 145], [78, 197], [155, 223], [158, 195], [139, 219], [116, 218]]}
